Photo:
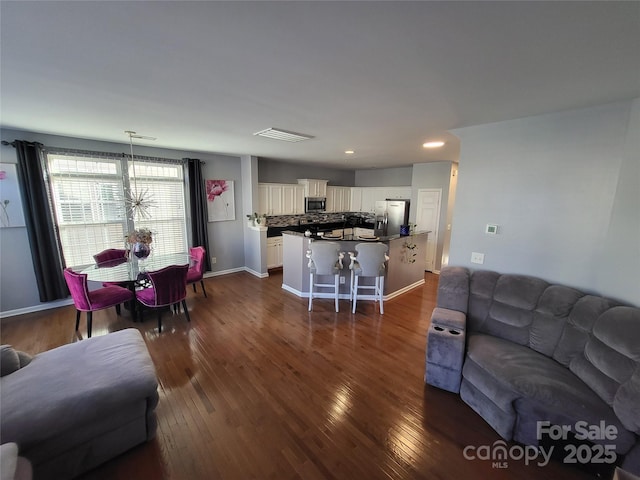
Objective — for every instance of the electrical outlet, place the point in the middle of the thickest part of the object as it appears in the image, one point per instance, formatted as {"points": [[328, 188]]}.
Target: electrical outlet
{"points": [[477, 257], [342, 280], [213, 260]]}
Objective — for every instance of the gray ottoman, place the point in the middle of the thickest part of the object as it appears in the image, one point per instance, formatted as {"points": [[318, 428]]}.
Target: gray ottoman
{"points": [[79, 405]]}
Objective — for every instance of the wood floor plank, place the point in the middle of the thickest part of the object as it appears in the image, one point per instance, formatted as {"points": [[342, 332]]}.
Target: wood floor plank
{"points": [[257, 387]]}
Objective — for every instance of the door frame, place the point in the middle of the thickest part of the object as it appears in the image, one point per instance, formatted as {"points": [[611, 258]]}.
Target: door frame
{"points": [[436, 231]]}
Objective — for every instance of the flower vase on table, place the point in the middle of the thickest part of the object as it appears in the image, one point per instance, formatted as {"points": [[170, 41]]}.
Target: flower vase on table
{"points": [[139, 243], [140, 250]]}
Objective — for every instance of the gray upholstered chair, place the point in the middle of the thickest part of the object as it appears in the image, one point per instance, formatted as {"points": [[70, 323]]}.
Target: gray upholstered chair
{"points": [[369, 262], [325, 258]]}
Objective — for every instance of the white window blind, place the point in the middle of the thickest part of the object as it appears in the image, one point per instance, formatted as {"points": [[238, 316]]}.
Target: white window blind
{"points": [[88, 196]]}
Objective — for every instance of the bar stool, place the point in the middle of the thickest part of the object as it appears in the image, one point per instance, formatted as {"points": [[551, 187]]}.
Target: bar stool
{"points": [[325, 258], [369, 262]]}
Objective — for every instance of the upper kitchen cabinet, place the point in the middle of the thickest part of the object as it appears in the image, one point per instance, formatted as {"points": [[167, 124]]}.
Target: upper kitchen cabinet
{"points": [[338, 199], [313, 188], [355, 205], [363, 199], [293, 199], [280, 199]]}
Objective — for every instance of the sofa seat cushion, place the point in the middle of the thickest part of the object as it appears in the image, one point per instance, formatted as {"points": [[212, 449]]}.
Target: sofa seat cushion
{"points": [[68, 387], [507, 373]]}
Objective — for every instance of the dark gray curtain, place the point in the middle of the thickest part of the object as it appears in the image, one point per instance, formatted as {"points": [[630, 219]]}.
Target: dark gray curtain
{"points": [[46, 254], [198, 200]]}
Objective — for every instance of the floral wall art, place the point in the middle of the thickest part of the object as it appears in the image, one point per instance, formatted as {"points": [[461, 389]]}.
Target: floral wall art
{"points": [[220, 200], [10, 204]]}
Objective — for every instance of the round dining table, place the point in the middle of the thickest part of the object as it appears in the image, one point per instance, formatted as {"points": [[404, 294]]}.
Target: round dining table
{"points": [[131, 272]]}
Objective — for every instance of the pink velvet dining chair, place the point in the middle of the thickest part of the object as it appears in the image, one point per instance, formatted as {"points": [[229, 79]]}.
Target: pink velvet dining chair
{"points": [[195, 273], [168, 287], [89, 301], [111, 255]]}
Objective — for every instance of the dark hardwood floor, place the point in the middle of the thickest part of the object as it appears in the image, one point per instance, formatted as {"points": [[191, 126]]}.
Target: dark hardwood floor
{"points": [[256, 387]]}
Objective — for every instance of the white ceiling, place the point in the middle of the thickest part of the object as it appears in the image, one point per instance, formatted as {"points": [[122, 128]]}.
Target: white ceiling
{"points": [[377, 77]]}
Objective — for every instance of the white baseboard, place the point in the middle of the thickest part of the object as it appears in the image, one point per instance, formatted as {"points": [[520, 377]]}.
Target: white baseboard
{"points": [[253, 272], [404, 290], [342, 296], [224, 272], [36, 308]]}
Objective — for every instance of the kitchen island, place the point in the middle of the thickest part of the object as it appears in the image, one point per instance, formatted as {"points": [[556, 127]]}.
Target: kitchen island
{"points": [[405, 268]]}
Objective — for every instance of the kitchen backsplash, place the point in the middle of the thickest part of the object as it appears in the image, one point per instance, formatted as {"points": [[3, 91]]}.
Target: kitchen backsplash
{"points": [[288, 220]]}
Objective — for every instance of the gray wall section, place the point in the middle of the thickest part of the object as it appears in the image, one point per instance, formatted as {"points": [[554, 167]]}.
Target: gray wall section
{"points": [[436, 175], [17, 279], [384, 177], [277, 171], [563, 188]]}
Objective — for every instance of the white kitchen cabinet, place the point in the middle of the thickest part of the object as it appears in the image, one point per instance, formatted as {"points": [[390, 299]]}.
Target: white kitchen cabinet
{"points": [[314, 187], [270, 198], [280, 198], [274, 252], [289, 200], [363, 199], [298, 204], [355, 203], [369, 197], [338, 199]]}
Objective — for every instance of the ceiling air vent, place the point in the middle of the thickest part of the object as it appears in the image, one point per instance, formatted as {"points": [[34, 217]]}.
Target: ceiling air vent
{"points": [[283, 135]]}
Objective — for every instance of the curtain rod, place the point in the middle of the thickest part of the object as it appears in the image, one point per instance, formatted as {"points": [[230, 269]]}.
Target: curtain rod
{"points": [[105, 154]]}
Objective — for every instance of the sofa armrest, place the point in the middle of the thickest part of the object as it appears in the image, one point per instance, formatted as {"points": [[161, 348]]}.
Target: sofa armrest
{"points": [[444, 317], [453, 289]]}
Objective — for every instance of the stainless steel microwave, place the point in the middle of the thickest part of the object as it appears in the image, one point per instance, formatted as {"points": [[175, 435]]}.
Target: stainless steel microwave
{"points": [[315, 204]]}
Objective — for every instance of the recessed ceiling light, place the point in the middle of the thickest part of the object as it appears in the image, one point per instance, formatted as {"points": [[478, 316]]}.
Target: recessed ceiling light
{"points": [[433, 144], [349, 152]]}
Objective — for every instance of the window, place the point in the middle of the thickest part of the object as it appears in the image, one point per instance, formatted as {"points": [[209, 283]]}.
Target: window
{"points": [[88, 194]]}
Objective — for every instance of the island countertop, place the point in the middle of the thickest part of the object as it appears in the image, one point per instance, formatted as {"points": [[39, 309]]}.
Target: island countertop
{"points": [[405, 267], [353, 238]]}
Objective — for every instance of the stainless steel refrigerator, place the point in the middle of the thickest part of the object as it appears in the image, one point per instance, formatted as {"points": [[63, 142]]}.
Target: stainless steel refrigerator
{"points": [[390, 215]]}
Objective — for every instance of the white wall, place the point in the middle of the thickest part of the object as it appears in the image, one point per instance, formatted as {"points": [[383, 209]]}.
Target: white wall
{"points": [[435, 175], [564, 189]]}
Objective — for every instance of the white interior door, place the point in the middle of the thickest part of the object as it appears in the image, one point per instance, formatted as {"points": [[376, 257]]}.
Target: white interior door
{"points": [[428, 219]]}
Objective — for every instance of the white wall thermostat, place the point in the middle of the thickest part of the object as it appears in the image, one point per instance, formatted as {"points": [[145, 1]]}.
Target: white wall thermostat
{"points": [[491, 229]]}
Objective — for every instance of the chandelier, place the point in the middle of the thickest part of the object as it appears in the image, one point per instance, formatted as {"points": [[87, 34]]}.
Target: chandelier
{"points": [[139, 202]]}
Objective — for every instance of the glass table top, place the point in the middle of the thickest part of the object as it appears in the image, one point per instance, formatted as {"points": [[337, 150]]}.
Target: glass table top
{"points": [[133, 269]]}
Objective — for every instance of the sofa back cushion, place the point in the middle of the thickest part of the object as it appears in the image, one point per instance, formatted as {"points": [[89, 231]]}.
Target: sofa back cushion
{"points": [[610, 362], [504, 305]]}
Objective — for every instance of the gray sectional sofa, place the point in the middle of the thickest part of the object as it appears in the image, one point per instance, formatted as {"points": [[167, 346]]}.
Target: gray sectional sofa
{"points": [[522, 351], [76, 406]]}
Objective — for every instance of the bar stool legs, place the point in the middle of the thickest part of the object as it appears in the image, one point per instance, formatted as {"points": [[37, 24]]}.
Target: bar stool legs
{"points": [[378, 292]]}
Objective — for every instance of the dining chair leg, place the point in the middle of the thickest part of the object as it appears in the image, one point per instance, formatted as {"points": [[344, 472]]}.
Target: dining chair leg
{"points": [[310, 291], [203, 290], [159, 321], [77, 320], [381, 294], [118, 309], [89, 323], [194, 287], [186, 310]]}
